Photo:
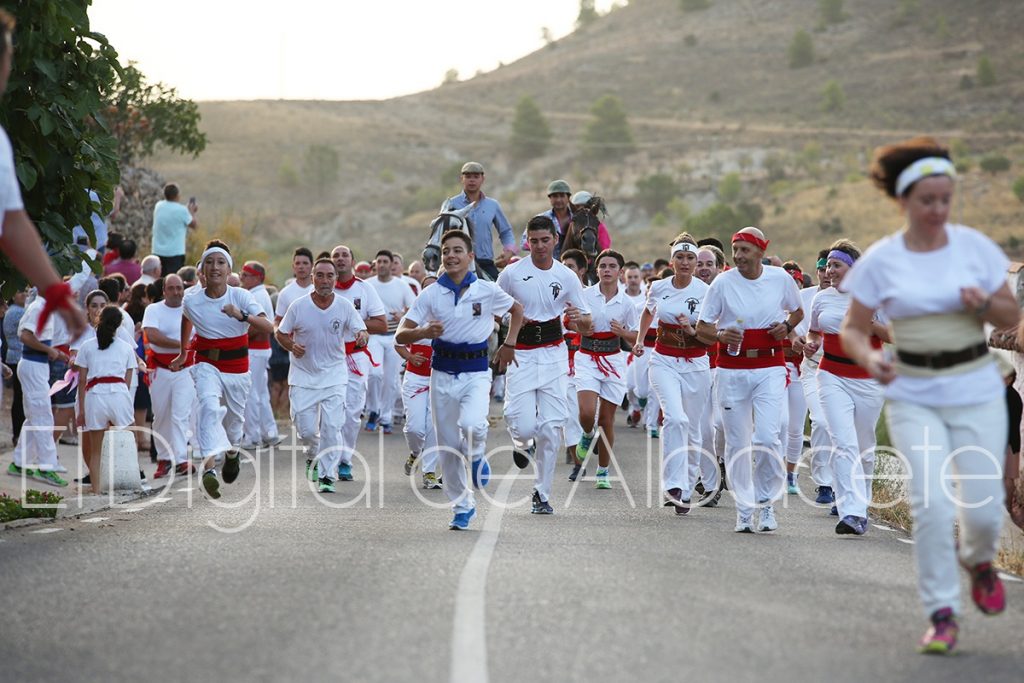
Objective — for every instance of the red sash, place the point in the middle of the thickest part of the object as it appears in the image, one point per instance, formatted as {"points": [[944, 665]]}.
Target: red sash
{"points": [[832, 347], [233, 365], [425, 350], [259, 343], [103, 380], [676, 352], [651, 338], [713, 352], [767, 352], [790, 355], [351, 349], [600, 359]]}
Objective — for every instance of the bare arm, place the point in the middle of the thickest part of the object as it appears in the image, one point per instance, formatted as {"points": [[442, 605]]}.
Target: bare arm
{"points": [[186, 333], [155, 336], [376, 324], [855, 336]]}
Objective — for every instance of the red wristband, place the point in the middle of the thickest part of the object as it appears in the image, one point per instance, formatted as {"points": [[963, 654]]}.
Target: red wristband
{"points": [[58, 296]]}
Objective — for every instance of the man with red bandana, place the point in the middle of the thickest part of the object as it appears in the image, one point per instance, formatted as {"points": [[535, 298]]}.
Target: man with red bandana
{"points": [[751, 309]]}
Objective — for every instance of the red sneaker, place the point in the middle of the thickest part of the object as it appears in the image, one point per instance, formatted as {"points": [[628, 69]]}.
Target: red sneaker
{"points": [[163, 468], [940, 638], [184, 469], [986, 588]]}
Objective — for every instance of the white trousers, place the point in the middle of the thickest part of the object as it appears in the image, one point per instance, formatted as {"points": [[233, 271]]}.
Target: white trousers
{"points": [[751, 412], [573, 431], [259, 417], [821, 442], [852, 408], [35, 445], [318, 415], [536, 408], [355, 400], [459, 405], [103, 409], [683, 394], [643, 389], [939, 443], [419, 425], [221, 398], [712, 440], [792, 429], [174, 398], [383, 386]]}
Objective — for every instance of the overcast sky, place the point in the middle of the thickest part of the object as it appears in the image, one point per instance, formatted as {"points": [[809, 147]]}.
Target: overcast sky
{"points": [[319, 49]]}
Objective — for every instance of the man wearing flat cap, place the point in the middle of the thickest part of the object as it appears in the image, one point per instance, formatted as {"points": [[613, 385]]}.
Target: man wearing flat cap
{"points": [[486, 214]]}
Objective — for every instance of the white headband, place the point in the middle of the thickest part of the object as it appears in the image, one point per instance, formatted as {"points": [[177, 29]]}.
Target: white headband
{"points": [[216, 250], [685, 246], [922, 168]]}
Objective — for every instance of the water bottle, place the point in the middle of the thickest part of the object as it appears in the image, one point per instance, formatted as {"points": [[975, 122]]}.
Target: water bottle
{"points": [[734, 349]]}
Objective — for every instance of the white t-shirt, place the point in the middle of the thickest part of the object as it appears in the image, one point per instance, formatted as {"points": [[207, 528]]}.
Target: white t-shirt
{"points": [[396, 296], [289, 294], [322, 332], [30, 320], [544, 294], [807, 295], [10, 191], [666, 303], [208, 318], [904, 284], [166, 321], [89, 333], [413, 285], [262, 297], [760, 304], [365, 300], [113, 361], [639, 300], [602, 312], [471, 320]]}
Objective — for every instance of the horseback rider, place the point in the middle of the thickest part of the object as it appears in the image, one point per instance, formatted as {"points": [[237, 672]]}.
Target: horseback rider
{"points": [[485, 214], [561, 212]]}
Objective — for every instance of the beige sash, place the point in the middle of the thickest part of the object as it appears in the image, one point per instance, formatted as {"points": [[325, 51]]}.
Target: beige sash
{"points": [[937, 333]]}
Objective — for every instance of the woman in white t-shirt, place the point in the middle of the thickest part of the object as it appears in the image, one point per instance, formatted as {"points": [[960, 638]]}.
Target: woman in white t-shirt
{"points": [[104, 365], [938, 283]]}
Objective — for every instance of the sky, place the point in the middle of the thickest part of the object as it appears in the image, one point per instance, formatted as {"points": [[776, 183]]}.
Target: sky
{"points": [[323, 49]]}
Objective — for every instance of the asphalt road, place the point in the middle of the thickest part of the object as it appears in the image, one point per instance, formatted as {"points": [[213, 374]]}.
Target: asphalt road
{"points": [[604, 590]]}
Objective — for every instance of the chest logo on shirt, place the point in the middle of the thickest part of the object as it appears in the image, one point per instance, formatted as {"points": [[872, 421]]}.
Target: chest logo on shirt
{"points": [[335, 326], [528, 277], [357, 303], [692, 304], [556, 289], [477, 310]]}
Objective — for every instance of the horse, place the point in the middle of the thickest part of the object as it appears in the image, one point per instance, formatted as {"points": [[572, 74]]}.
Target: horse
{"points": [[581, 233], [446, 220]]}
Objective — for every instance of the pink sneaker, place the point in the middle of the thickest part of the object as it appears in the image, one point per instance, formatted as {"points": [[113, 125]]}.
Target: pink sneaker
{"points": [[940, 638], [986, 588]]}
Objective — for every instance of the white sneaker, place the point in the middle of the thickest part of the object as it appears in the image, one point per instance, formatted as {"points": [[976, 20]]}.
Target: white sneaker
{"points": [[767, 521], [743, 524], [272, 441], [59, 468], [249, 446]]}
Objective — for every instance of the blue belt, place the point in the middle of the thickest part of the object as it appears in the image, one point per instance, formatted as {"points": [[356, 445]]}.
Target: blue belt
{"points": [[456, 358], [36, 356]]}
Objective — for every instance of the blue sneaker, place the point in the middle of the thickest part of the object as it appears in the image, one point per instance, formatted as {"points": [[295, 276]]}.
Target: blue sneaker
{"points": [[655, 434], [371, 422], [481, 473], [345, 472], [834, 512], [791, 488], [460, 522], [825, 496], [386, 427]]}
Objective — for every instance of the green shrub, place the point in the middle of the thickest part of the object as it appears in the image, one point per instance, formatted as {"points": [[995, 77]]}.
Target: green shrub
{"points": [[11, 508], [655, 192], [833, 98], [607, 134], [729, 188], [986, 74], [531, 134], [1018, 188], [801, 50], [994, 163]]}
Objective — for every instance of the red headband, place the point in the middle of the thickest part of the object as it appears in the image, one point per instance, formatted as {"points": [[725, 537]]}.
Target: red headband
{"points": [[253, 271], [753, 239]]}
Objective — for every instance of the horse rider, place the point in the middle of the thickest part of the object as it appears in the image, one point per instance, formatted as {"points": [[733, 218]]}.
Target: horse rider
{"points": [[485, 214]]}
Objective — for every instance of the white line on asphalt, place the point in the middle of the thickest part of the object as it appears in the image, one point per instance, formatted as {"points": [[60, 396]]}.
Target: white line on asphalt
{"points": [[47, 531], [184, 489], [1010, 577], [469, 633], [162, 499], [908, 541], [94, 520], [882, 527]]}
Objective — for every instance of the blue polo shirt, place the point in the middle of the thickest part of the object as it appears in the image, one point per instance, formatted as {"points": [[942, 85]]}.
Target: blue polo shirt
{"points": [[486, 214]]}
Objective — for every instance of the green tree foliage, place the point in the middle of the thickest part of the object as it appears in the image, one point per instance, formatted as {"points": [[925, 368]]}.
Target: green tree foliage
{"points": [[833, 98], [694, 5], [655, 192], [450, 76], [1018, 188], [994, 163], [986, 74], [320, 167], [143, 116], [831, 11], [53, 114], [801, 50], [729, 187], [588, 14], [531, 133], [607, 134]]}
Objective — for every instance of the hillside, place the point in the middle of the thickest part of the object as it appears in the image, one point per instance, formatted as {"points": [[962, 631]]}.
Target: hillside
{"points": [[707, 93]]}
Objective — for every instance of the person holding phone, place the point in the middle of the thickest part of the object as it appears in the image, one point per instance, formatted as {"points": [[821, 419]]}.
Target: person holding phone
{"points": [[171, 221]]}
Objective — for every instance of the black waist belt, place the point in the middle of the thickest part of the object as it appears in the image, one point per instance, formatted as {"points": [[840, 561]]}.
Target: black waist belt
{"points": [[943, 359], [537, 334], [599, 345], [840, 359], [460, 355], [224, 354]]}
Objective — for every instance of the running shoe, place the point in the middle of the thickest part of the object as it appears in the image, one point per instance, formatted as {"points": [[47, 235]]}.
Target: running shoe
{"points": [[791, 488], [371, 422], [744, 524], [583, 446], [522, 456], [325, 485], [48, 477], [825, 496], [642, 402], [249, 446], [430, 481], [602, 479], [345, 472], [674, 498], [410, 462], [481, 473], [163, 468], [210, 484], [711, 499], [184, 469], [986, 589], [386, 427], [655, 434], [460, 522], [231, 468], [68, 440], [634, 419], [272, 441], [541, 507], [852, 525], [766, 520], [310, 470], [16, 471], [833, 512], [577, 471], [940, 638], [59, 468]]}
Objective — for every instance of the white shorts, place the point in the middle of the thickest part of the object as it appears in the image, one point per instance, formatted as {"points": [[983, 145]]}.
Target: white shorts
{"points": [[108, 408], [603, 375]]}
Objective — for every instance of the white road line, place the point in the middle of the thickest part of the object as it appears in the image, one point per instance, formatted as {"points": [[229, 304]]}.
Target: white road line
{"points": [[906, 540], [469, 632], [47, 531], [94, 520], [1009, 577]]}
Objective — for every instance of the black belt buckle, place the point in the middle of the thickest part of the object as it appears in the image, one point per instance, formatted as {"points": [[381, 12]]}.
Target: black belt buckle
{"points": [[212, 354]]}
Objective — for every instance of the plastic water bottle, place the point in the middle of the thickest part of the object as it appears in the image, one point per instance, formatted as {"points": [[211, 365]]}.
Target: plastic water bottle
{"points": [[734, 349]]}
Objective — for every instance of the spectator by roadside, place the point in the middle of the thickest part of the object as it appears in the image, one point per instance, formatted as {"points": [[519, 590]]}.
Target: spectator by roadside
{"points": [[171, 221]]}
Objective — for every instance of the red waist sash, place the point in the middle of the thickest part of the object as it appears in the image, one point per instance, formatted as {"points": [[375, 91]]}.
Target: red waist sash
{"points": [[103, 380], [687, 351], [424, 350], [230, 355], [759, 350], [835, 360]]}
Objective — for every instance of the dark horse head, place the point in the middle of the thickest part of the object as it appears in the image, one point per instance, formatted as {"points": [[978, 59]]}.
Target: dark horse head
{"points": [[583, 229], [447, 219]]}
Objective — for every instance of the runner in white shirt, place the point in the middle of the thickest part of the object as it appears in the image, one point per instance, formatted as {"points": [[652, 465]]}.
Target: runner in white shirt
{"points": [[794, 408], [709, 470], [105, 365], [600, 363], [260, 429], [221, 316], [383, 386], [313, 331], [457, 313], [679, 371], [576, 261], [173, 393], [302, 269], [535, 387], [365, 300], [634, 282], [850, 398], [751, 309], [419, 431]]}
